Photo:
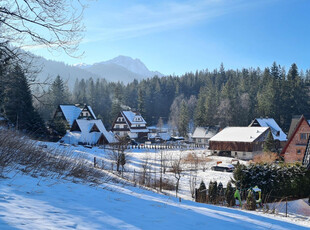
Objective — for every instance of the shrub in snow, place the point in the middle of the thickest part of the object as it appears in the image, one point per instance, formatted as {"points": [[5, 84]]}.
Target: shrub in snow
{"points": [[229, 195], [250, 201], [212, 193], [201, 193], [276, 181]]}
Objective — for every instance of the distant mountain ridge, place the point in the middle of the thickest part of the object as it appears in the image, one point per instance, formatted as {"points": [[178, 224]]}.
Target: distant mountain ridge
{"points": [[121, 68]]}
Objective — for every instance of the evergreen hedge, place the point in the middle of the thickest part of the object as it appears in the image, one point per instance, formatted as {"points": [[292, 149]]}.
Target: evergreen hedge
{"points": [[276, 181]]}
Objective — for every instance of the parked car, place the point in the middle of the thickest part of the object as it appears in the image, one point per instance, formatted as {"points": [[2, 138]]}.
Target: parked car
{"points": [[223, 167]]}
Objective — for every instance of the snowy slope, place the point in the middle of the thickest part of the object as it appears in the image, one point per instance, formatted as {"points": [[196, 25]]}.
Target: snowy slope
{"points": [[41, 203]]}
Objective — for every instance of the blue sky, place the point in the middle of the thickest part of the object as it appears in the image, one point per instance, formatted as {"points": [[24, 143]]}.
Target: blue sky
{"points": [[175, 37]]}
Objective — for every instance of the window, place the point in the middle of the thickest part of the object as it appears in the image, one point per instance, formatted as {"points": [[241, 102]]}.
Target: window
{"points": [[117, 126], [125, 126], [244, 154], [298, 151], [304, 136], [236, 154]]}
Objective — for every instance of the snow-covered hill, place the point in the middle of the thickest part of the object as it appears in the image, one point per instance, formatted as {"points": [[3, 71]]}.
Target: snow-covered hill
{"points": [[43, 203]]}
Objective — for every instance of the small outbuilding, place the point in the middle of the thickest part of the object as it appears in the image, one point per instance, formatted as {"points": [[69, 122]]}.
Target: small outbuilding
{"points": [[202, 135], [240, 142]]}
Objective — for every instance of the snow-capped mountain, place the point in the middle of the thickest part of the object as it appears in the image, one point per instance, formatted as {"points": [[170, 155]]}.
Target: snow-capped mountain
{"points": [[121, 68], [133, 65]]}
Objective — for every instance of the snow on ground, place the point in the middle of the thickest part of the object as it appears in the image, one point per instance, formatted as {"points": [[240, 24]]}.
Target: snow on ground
{"points": [[136, 159], [42, 203]]}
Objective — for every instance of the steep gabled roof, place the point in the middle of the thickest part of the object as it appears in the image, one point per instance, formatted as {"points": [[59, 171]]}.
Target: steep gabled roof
{"points": [[239, 134], [71, 112], [293, 132], [205, 132], [133, 118], [88, 131], [293, 125], [276, 131], [306, 159]]}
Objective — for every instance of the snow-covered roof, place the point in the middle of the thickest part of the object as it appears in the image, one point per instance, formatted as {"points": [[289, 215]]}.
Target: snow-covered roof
{"points": [[276, 131], [85, 136], [205, 132], [133, 117], [71, 112], [92, 112], [239, 134]]}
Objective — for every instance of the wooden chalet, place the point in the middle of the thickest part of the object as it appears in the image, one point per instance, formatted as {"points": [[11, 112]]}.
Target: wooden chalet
{"points": [[278, 135], [88, 132], [295, 148], [129, 123], [240, 142], [306, 159], [70, 113]]}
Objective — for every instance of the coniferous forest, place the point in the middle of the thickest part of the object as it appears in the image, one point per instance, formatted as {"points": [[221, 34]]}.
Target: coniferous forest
{"points": [[224, 97], [203, 98]]}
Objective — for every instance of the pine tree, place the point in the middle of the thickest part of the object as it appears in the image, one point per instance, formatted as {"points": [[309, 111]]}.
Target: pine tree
{"points": [[229, 195], [18, 107], [59, 92], [269, 145], [183, 120]]}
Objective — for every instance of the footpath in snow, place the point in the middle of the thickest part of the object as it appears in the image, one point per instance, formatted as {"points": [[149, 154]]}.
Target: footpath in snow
{"points": [[42, 203]]}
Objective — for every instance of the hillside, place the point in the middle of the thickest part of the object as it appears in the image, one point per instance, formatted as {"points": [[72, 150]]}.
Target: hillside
{"points": [[43, 203]]}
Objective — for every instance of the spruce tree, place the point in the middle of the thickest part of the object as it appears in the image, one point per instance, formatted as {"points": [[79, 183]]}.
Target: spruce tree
{"points": [[18, 107], [269, 145], [183, 119], [229, 195]]}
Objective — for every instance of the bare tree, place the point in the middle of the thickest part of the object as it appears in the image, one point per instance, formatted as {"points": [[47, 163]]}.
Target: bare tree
{"points": [[118, 154], [176, 168], [55, 24]]}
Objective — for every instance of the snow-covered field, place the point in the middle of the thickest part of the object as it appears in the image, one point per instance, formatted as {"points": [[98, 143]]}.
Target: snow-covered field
{"points": [[137, 159], [44, 203]]}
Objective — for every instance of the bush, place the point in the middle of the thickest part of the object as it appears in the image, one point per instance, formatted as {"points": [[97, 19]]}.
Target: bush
{"points": [[18, 152], [212, 193], [250, 201], [229, 195], [275, 180], [267, 157]]}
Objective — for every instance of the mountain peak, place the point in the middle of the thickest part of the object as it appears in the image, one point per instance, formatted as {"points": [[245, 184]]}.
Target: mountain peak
{"points": [[134, 67]]}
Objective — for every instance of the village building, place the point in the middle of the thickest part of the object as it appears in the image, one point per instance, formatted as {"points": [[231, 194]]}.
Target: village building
{"points": [[129, 123], [240, 142], [88, 132], [202, 135], [69, 113], [306, 159], [278, 135], [298, 135]]}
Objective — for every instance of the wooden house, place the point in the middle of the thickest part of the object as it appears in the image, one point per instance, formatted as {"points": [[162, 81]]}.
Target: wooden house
{"points": [[240, 142], [298, 136], [277, 133], [129, 123], [88, 132], [70, 113], [306, 159], [202, 135]]}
